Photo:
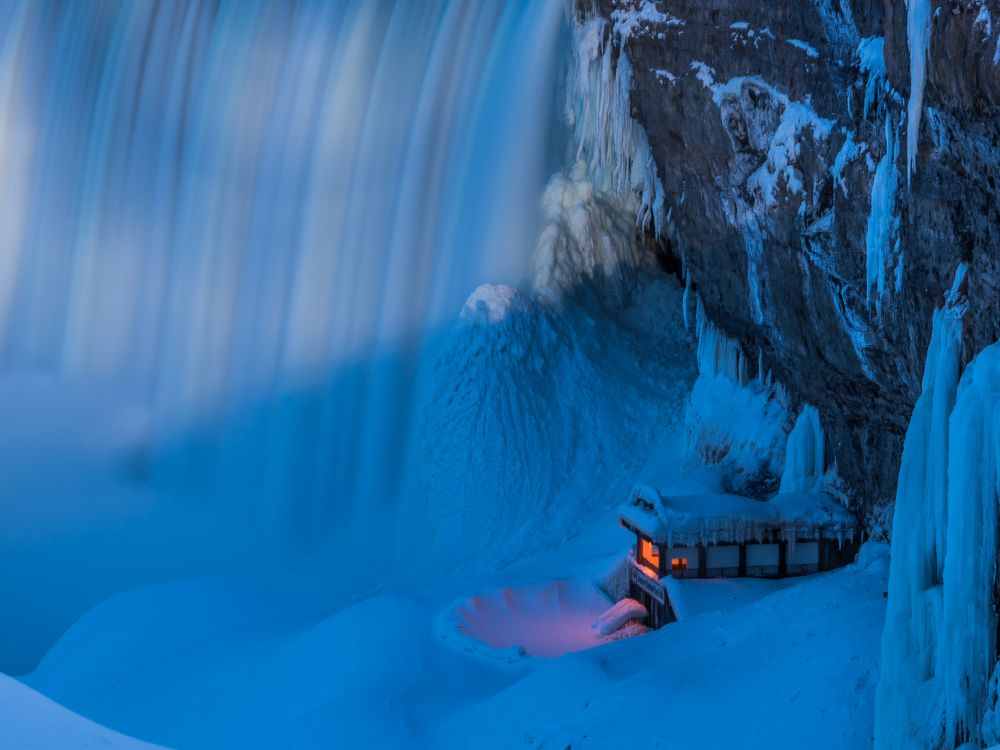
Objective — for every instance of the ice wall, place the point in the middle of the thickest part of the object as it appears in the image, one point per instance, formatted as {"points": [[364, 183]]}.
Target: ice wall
{"points": [[919, 663], [968, 648]]}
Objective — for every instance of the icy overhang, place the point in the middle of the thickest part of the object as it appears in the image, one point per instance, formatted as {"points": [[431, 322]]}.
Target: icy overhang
{"points": [[719, 518]]}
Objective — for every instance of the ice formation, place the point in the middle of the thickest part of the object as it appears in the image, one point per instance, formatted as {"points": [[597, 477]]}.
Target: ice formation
{"points": [[969, 629], [883, 255], [730, 418], [912, 691], [804, 46], [918, 33], [871, 54], [588, 238], [613, 145], [984, 22], [804, 453], [850, 151]]}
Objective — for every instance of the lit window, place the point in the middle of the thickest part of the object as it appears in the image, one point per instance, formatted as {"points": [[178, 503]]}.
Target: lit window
{"points": [[649, 554], [678, 563]]}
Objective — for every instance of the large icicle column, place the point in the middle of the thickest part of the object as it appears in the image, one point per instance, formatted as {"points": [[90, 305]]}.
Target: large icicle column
{"points": [[968, 644], [907, 708]]}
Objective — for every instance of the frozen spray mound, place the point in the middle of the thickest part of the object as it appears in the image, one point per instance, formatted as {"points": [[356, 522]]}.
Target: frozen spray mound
{"points": [[545, 619], [537, 420]]}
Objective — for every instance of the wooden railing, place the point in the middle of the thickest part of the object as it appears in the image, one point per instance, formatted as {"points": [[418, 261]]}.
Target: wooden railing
{"points": [[761, 571]]}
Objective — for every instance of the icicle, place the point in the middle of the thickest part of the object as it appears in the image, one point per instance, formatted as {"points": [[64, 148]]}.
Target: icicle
{"points": [[882, 251], [718, 354], [872, 62], [615, 147], [918, 33], [804, 453], [685, 303]]}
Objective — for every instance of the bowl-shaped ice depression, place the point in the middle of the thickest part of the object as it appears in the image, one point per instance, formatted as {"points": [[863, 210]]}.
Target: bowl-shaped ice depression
{"points": [[544, 619]]}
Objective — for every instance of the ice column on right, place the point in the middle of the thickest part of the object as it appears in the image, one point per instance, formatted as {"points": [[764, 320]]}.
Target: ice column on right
{"points": [[908, 711]]}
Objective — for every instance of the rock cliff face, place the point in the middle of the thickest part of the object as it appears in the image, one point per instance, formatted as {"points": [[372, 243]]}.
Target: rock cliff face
{"points": [[779, 131]]}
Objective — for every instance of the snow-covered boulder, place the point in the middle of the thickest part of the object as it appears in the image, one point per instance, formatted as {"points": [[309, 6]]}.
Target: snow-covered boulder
{"points": [[616, 616]]}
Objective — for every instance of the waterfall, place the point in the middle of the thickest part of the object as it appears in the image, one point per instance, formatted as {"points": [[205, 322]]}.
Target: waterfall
{"points": [[257, 215]]}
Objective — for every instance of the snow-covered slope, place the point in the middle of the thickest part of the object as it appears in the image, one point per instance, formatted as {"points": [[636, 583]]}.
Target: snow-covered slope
{"points": [[30, 721], [737, 671], [541, 419], [795, 667]]}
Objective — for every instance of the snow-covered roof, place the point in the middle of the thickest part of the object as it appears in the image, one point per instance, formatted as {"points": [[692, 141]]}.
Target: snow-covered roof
{"points": [[720, 517]]}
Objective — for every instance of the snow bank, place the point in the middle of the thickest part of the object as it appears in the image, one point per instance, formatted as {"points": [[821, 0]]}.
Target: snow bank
{"points": [[797, 666], [30, 720], [693, 597], [544, 418], [272, 675]]}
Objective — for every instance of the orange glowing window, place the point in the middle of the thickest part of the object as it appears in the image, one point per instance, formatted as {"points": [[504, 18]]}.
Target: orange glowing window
{"points": [[649, 553], [678, 563]]}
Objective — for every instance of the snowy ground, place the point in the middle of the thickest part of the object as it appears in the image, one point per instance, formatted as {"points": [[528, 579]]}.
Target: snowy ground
{"points": [[30, 720], [208, 666], [797, 665]]}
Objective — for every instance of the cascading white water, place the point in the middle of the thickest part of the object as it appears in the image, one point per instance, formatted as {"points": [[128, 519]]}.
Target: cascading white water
{"points": [[257, 214]]}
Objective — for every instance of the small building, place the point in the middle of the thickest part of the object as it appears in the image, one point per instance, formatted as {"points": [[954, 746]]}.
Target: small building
{"points": [[718, 535]]}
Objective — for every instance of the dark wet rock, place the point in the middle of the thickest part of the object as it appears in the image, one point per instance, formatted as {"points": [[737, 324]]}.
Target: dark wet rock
{"points": [[776, 247]]}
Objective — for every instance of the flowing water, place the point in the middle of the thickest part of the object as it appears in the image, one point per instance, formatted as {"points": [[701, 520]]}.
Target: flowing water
{"points": [[256, 214]]}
